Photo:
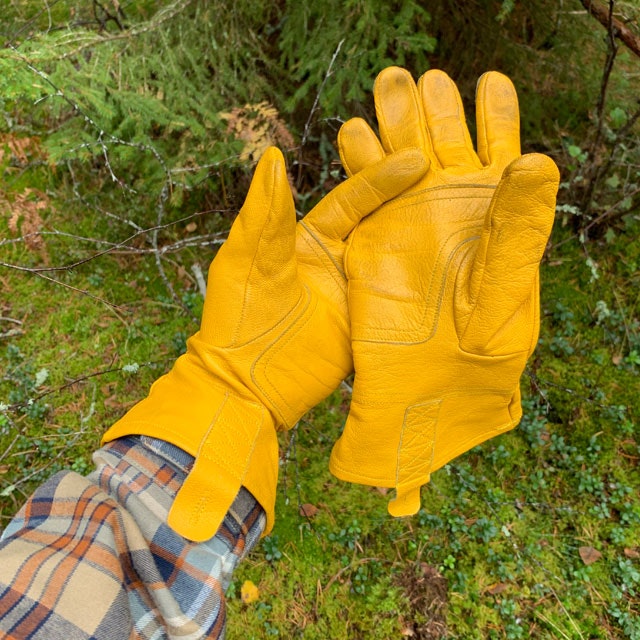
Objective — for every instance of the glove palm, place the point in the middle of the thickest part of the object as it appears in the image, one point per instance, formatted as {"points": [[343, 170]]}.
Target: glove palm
{"points": [[443, 283], [273, 342]]}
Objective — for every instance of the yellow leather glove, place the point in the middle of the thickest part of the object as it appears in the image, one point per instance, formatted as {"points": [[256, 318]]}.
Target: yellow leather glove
{"points": [[274, 340], [443, 282]]}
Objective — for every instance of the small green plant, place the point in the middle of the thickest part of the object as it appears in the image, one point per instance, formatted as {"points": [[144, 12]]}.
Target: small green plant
{"points": [[271, 551], [348, 536], [628, 621], [365, 575], [24, 384]]}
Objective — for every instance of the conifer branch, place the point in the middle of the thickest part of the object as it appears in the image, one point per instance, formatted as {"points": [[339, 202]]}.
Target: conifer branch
{"points": [[167, 13], [619, 29]]}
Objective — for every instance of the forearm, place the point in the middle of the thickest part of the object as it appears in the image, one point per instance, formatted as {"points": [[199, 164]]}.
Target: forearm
{"points": [[94, 556]]}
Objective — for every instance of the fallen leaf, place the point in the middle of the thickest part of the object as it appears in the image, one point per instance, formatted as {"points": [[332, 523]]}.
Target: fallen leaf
{"points": [[497, 588], [632, 553], [114, 401], [308, 510], [249, 592], [589, 555]]}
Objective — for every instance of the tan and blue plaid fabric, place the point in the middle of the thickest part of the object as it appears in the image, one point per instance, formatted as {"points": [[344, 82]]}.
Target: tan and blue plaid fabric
{"points": [[92, 558]]}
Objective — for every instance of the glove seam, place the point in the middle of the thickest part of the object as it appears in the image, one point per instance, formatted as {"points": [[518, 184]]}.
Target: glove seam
{"points": [[339, 268], [277, 345], [444, 187], [436, 307], [248, 283]]}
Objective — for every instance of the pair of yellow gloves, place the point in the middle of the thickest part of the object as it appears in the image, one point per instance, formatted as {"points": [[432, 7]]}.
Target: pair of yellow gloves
{"points": [[420, 271]]}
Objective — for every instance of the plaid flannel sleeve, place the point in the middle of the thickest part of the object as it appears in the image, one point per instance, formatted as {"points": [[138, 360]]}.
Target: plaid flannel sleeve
{"points": [[92, 557]]}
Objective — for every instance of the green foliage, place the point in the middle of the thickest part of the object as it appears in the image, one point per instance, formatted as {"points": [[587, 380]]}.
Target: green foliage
{"points": [[367, 37], [141, 103], [144, 95], [24, 383], [113, 124], [270, 547]]}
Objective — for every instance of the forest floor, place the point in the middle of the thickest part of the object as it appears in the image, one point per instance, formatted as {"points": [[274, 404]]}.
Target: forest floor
{"points": [[535, 534]]}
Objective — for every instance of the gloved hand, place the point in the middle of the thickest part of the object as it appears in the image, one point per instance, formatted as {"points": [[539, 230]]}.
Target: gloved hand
{"points": [[274, 340], [443, 282]]}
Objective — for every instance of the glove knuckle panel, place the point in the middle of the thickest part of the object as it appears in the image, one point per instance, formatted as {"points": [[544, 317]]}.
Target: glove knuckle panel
{"points": [[290, 391]]}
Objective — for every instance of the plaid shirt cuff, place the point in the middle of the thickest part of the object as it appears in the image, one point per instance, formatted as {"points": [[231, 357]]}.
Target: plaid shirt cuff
{"points": [[94, 558]]}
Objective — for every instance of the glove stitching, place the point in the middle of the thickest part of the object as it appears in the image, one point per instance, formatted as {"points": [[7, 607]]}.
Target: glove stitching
{"points": [[323, 250], [175, 434], [248, 283], [197, 494], [415, 337], [278, 344], [466, 445], [489, 229], [452, 393], [432, 432], [280, 322], [445, 187]]}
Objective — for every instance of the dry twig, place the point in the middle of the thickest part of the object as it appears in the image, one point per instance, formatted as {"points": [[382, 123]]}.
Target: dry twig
{"points": [[604, 15]]}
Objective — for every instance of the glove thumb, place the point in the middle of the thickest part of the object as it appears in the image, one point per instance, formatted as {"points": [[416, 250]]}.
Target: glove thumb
{"points": [[258, 258], [502, 288]]}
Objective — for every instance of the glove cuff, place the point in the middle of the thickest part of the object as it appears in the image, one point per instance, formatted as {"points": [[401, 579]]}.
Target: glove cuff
{"points": [[427, 436], [231, 436]]}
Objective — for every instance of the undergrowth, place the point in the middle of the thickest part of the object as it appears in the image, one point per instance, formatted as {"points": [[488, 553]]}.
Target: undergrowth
{"points": [[116, 192]]}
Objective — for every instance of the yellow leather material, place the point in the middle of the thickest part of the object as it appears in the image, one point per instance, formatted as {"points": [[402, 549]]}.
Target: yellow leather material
{"points": [[443, 283], [273, 342]]}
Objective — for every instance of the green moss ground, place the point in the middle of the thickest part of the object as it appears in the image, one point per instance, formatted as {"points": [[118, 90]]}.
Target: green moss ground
{"points": [[535, 534]]}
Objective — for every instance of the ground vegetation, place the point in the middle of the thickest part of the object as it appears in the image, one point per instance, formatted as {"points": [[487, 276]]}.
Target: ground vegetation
{"points": [[128, 133]]}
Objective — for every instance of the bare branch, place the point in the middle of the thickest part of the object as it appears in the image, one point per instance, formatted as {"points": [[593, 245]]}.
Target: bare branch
{"points": [[199, 276], [118, 247], [307, 126], [78, 290], [620, 30], [594, 171]]}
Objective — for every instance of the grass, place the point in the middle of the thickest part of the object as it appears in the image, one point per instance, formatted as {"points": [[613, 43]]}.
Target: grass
{"points": [[535, 534]]}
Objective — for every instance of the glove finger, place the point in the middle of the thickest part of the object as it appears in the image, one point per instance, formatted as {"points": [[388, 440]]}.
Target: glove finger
{"points": [[267, 218], [358, 145], [400, 118], [445, 120], [505, 268], [498, 120], [338, 213], [256, 262]]}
